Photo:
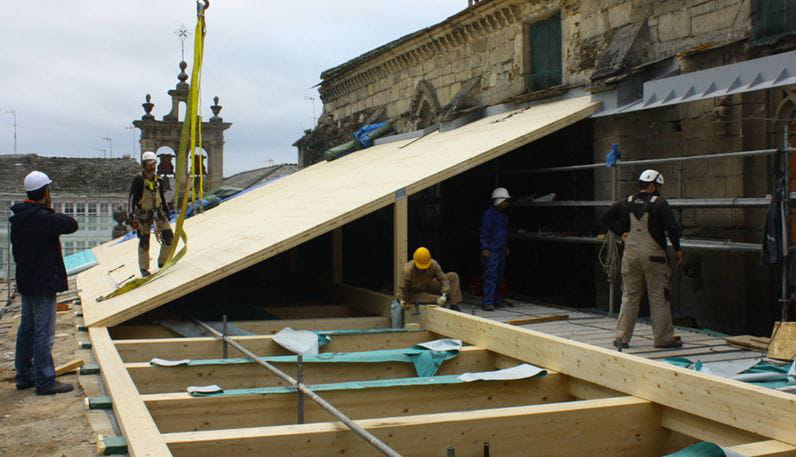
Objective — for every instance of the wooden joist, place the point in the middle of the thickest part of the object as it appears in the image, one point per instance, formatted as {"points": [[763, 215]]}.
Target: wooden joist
{"points": [[614, 426], [152, 379], [768, 448], [261, 327], [755, 409], [180, 412], [143, 350], [142, 435]]}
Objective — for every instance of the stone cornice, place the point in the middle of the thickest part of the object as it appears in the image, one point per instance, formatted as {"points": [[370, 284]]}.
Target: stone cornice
{"points": [[485, 18]]}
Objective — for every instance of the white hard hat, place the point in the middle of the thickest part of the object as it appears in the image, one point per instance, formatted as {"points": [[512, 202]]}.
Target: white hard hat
{"points": [[500, 192], [149, 155], [499, 195], [650, 176], [35, 180]]}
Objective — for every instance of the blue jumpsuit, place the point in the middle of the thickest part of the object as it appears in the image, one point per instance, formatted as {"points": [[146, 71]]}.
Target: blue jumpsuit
{"points": [[494, 237]]}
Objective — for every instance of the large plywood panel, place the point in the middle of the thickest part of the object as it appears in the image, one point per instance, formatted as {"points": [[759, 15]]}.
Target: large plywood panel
{"points": [[311, 202]]}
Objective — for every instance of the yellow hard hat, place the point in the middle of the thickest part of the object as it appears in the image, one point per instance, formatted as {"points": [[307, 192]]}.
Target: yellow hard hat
{"points": [[422, 258]]}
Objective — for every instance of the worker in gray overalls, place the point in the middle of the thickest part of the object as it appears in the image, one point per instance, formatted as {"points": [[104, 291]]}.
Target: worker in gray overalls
{"points": [[644, 220], [147, 206]]}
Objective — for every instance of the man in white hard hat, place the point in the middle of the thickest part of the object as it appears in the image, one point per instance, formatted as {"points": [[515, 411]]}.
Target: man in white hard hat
{"points": [[40, 274], [147, 206], [644, 220], [494, 237]]}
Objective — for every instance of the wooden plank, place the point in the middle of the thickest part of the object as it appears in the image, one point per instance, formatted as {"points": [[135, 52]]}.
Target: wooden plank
{"points": [[144, 350], [783, 341], [312, 202], [151, 379], [139, 429], [261, 327], [769, 448], [179, 412], [68, 367], [758, 410], [400, 239], [748, 341], [704, 429], [616, 426], [538, 319]]}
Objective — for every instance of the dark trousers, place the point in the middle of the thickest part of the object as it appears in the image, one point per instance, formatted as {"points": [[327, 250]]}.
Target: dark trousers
{"points": [[35, 337], [494, 266]]}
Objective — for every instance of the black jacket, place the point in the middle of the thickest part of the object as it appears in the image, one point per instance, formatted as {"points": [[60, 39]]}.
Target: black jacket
{"points": [[661, 220], [37, 249]]}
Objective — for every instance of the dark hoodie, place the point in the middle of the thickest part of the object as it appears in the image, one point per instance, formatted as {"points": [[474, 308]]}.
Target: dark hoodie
{"points": [[37, 250]]}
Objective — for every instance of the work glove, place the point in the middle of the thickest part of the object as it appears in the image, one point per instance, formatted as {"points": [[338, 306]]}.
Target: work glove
{"points": [[442, 300]]}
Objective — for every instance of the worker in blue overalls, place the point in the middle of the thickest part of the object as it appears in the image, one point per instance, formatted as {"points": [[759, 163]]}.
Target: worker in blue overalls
{"points": [[494, 237]]}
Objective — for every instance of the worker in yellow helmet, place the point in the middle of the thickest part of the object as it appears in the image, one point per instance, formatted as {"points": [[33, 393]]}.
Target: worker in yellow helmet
{"points": [[424, 282]]}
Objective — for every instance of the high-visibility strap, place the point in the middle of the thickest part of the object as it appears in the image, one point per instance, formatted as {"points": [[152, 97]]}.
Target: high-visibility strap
{"points": [[189, 127]]}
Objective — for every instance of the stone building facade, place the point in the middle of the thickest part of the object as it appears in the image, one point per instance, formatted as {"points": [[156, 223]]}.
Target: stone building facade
{"points": [[513, 52]]}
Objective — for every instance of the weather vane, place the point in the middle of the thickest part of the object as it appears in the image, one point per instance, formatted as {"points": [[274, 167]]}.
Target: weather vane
{"points": [[183, 34]]}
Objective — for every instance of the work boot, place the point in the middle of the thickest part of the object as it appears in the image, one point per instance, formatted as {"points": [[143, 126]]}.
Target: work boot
{"points": [[488, 307], [55, 388], [674, 344], [145, 273], [619, 344], [24, 386]]}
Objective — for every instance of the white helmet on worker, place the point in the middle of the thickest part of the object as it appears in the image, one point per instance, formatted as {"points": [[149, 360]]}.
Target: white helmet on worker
{"points": [[149, 155], [649, 176], [499, 195], [35, 180]]}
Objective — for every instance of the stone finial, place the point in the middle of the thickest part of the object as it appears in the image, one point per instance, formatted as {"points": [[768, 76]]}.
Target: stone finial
{"points": [[216, 108], [148, 108], [182, 76]]}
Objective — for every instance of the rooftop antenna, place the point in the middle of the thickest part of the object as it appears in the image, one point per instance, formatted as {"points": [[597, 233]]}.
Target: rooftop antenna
{"points": [[182, 34]]}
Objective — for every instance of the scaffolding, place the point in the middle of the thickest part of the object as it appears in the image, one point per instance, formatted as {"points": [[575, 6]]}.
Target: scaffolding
{"points": [[680, 203]]}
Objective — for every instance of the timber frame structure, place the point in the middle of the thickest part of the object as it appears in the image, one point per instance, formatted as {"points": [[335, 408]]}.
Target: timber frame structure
{"points": [[593, 401]]}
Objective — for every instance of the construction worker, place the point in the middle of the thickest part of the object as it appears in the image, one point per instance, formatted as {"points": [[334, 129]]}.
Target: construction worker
{"points": [[424, 282], [147, 206], [494, 236], [643, 220], [40, 275]]}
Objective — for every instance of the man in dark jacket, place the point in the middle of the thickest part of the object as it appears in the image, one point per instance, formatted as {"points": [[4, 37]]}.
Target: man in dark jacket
{"points": [[35, 231], [643, 221]]}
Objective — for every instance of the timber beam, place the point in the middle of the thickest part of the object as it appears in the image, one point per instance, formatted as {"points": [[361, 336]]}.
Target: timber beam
{"points": [[614, 426], [260, 327], [156, 379], [143, 350], [180, 412], [758, 410]]}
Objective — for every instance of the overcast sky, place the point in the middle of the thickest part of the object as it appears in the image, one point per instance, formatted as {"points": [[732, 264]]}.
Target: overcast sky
{"points": [[78, 71]]}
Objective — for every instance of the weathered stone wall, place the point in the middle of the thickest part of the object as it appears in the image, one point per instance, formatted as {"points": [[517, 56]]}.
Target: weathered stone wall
{"points": [[493, 48]]}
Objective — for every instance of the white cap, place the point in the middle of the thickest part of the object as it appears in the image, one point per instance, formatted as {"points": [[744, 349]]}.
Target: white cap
{"points": [[650, 176], [499, 195], [35, 180], [149, 155]]}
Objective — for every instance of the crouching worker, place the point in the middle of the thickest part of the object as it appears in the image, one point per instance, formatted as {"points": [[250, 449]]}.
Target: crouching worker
{"points": [[424, 282], [147, 206]]}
